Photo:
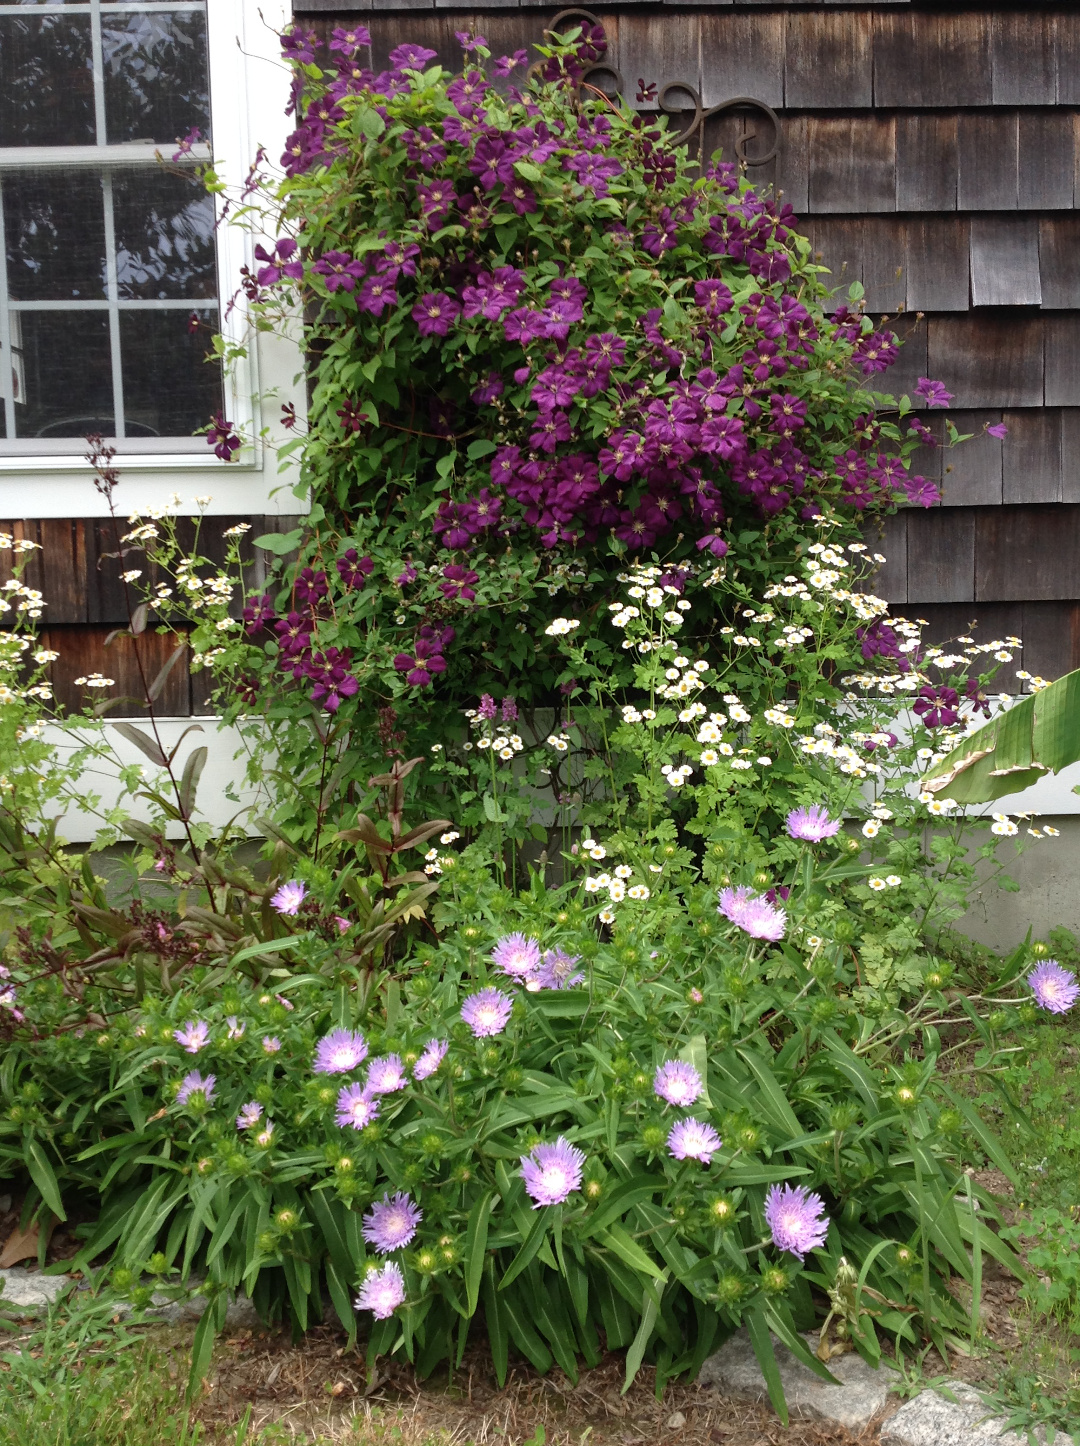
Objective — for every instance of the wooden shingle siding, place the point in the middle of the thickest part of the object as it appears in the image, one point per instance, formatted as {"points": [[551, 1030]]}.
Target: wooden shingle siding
{"points": [[85, 602], [932, 152]]}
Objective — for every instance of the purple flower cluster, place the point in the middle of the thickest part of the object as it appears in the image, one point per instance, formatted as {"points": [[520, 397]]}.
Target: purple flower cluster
{"points": [[552, 1172], [812, 824], [521, 959], [426, 657], [755, 916], [938, 707], [795, 1218], [1054, 988]]}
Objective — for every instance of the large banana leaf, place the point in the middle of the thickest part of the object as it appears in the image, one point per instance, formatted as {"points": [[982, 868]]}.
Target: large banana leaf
{"points": [[1038, 735]]}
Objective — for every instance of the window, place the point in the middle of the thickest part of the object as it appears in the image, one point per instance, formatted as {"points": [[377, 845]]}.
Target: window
{"points": [[112, 268]]}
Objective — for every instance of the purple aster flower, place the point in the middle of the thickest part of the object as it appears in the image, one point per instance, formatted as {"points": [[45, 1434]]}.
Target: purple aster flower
{"points": [[236, 1028], [556, 972], [515, 954], [1054, 988], [795, 1218], [391, 1222], [677, 1082], [193, 1035], [271, 1044], [339, 1051], [432, 1057], [356, 1107], [552, 1172], [194, 1084], [249, 1116], [932, 393], [693, 1140], [384, 1076], [487, 1011], [998, 430], [382, 1291], [289, 897], [812, 824], [755, 916]]}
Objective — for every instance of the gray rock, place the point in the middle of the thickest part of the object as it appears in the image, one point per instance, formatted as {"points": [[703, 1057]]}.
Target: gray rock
{"points": [[860, 1396], [29, 1290], [5, 1204], [240, 1314], [930, 1419]]}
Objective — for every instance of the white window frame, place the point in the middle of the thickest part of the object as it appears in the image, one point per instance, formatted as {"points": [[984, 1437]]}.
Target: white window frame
{"points": [[249, 86]]}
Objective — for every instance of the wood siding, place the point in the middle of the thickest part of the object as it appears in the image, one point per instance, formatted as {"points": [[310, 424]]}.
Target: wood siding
{"points": [[932, 152]]}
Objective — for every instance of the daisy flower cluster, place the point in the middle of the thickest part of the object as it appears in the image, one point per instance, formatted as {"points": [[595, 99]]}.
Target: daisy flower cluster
{"points": [[492, 723], [618, 884]]}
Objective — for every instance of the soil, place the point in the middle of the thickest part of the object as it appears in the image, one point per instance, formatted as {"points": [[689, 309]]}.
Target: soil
{"points": [[320, 1389]]}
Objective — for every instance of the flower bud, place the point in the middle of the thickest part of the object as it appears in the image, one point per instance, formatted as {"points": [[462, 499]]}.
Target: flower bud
{"points": [[774, 1280]]}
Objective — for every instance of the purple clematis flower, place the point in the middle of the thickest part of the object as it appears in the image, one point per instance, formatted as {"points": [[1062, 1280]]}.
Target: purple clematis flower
{"points": [[435, 313], [932, 393]]}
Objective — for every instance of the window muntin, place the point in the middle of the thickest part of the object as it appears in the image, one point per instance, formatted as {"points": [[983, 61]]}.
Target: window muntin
{"points": [[108, 267]]}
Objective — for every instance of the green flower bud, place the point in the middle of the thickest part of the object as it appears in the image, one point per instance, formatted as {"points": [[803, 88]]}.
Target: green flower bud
{"points": [[775, 1280], [721, 1210], [286, 1221], [653, 1137], [730, 1288]]}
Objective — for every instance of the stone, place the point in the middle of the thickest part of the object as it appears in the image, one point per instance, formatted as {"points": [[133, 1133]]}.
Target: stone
{"points": [[931, 1419], [675, 1422], [29, 1290], [860, 1396]]}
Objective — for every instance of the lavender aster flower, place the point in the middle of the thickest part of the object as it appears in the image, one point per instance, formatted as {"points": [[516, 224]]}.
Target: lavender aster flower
{"points": [[193, 1035], [271, 1044], [812, 824], [382, 1291], [1054, 988], [249, 1116], [384, 1076], [194, 1084], [795, 1218], [391, 1222], [693, 1140], [755, 916], [289, 897], [515, 954], [552, 1172], [487, 1011], [356, 1107], [235, 1027], [677, 1082], [431, 1058], [339, 1051], [556, 972]]}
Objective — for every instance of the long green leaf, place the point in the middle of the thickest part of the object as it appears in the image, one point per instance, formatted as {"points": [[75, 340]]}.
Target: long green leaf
{"points": [[476, 1249], [650, 1309], [761, 1340], [41, 1172], [529, 1249]]}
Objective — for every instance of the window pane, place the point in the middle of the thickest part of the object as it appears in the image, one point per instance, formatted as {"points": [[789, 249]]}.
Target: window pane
{"points": [[164, 236], [64, 378], [156, 84], [169, 387], [54, 230], [46, 81]]}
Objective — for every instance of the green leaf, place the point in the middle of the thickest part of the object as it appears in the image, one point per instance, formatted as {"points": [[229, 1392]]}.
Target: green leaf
{"points": [[761, 1340], [202, 1349], [279, 543], [650, 1309], [622, 1198], [476, 1249], [41, 1172], [617, 1240], [529, 1249], [480, 448], [496, 1322]]}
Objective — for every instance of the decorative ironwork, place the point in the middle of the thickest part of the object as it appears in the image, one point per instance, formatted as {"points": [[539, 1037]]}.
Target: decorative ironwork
{"points": [[663, 99]]}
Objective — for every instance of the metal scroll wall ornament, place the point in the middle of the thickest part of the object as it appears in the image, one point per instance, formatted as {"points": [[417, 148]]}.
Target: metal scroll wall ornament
{"points": [[664, 98]]}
